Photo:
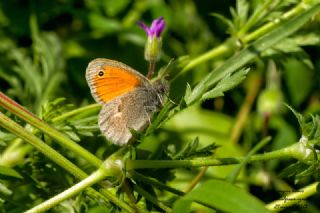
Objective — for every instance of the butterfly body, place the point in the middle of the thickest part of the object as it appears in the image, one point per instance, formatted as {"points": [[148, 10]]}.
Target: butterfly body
{"points": [[128, 99]]}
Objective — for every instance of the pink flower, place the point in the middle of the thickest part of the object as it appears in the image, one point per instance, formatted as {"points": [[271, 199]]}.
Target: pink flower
{"points": [[156, 28]]}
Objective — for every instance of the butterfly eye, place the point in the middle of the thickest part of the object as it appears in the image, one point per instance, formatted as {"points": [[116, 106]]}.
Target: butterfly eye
{"points": [[100, 73]]}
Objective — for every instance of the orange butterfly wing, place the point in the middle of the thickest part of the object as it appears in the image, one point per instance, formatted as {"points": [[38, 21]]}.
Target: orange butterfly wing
{"points": [[109, 79]]}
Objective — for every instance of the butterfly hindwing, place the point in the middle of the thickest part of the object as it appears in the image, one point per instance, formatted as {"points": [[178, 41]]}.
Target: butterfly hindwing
{"points": [[127, 112]]}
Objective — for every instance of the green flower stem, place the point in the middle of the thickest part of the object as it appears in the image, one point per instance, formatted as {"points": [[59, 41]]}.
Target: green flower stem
{"points": [[228, 48], [18, 130], [293, 198], [298, 9], [95, 177], [110, 167], [140, 177], [255, 17], [17, 150], [234, 174], [56, 157], [298, 151], [249, 53], [30, 118], [152, 199], [90, 109], [218, 51]]}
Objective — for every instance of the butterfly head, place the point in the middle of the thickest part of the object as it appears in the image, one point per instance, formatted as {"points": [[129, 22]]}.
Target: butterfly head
{"points": [[161, 87]]}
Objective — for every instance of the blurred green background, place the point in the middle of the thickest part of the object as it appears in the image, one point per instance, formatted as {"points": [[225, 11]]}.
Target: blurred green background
{"points": [[45, 47], [84, 30]]}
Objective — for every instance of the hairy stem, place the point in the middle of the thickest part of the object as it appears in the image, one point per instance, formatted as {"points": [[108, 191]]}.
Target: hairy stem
{"points": [[69, 193], [298, 151], [24, 114], [56, 157], [227, 48]]}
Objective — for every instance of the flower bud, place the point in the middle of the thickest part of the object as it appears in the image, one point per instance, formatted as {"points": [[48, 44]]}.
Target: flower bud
{"points": [[154, 43], [152, 49], [270, 101]]}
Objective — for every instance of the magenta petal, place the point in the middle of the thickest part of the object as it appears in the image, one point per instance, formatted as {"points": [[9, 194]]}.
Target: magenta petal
{"points": [[156, 22], [156, 28], [144, 27], [160, 28]]}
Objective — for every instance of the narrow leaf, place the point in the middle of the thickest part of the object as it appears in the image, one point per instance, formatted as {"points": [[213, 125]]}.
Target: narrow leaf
{"points": [[9, 172], [220, 195], [227, 83], [247, 54]]}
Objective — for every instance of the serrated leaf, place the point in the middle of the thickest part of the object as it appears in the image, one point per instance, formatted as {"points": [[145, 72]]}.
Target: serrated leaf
{"points": [[245, 55], [227, 83], [218, 194], [160, 117], [192, 150], [309, 125], [72, 135], [293, 170], [242, 11], [228, 22]]}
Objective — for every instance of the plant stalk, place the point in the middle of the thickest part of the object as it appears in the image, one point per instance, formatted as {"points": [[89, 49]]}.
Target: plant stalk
{"points": [[62, 139]]}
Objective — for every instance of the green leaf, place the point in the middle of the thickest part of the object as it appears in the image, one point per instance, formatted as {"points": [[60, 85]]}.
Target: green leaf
{"points": [[220, 195], [299, 80], [227, 83], [293, 170], [192, 150], [242, 11], [9, 172], [309, 125], [103, 24], [228, 22], [112, 8], [233, 175], [247, 54], [188, 91]]}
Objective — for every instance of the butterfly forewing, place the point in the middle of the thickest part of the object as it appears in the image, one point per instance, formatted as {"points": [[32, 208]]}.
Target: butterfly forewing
{"points": [[109, 79]]}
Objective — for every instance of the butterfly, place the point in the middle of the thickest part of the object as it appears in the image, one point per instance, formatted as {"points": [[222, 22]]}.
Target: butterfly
{"points": [[127, 97]]}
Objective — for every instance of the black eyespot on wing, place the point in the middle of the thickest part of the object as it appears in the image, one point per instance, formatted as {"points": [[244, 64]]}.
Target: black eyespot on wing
{"points": [[100, 73]]}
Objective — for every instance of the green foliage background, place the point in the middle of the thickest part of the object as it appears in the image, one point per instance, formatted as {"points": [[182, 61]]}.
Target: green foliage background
{"points": [[45, 47]]}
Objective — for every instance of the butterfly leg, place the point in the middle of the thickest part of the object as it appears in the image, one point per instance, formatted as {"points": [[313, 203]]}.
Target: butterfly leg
{"points": [[149, 110]]}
